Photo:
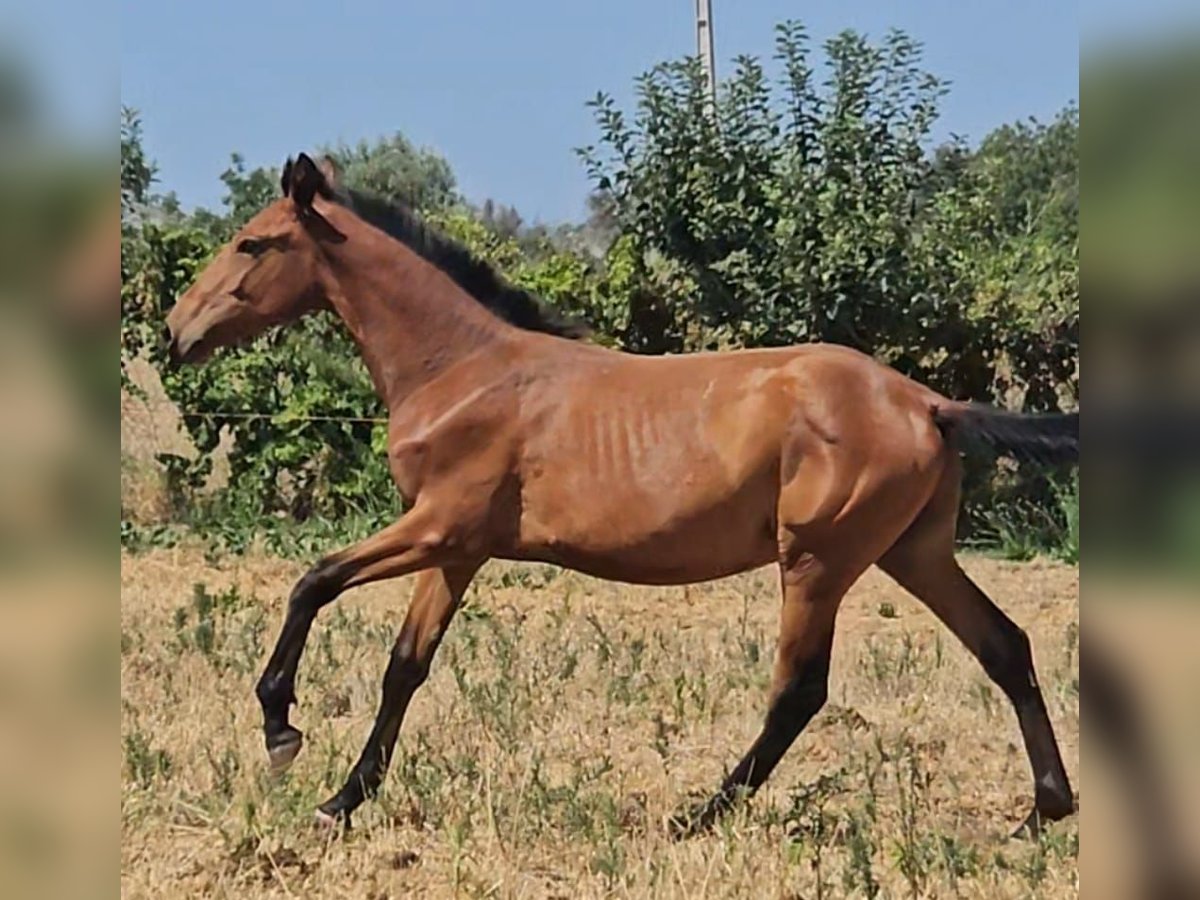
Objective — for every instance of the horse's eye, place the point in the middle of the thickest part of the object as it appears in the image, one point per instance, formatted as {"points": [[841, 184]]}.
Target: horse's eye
{"points": [[252, 246]]}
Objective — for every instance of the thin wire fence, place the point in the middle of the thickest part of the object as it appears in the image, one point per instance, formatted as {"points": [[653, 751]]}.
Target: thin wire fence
{"points": [[376, 420]]}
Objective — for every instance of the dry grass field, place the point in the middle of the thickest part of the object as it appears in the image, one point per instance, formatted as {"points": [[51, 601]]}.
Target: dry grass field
{"points": [[564, 720]]}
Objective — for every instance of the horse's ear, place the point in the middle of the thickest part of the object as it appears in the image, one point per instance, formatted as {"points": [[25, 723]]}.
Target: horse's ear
{"points": [[333, 175], [305, 181], [285, 179]]}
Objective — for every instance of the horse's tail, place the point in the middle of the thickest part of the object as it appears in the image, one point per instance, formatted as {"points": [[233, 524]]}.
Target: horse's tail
{"points": [[1046, 438]]}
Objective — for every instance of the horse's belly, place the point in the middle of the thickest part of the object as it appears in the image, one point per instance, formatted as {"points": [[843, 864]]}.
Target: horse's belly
{"points": [[623, 542], [636, 568]]}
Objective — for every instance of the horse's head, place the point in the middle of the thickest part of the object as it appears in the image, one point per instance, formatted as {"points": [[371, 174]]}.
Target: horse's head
{"points": [[272, 272]]}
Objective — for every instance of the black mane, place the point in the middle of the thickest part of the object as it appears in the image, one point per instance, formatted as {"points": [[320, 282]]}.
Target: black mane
{"points": [[515, 305]]}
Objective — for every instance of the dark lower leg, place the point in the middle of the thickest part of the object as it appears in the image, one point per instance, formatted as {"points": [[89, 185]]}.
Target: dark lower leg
{"points": [[1005, 655], [276, 688], [1003, 650], [400, 683], [792, 709], [395, 551], [435, 598], [811, 595]]}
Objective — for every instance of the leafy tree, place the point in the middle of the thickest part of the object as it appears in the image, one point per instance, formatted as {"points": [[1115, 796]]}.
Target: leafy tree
{"points": [[246, 193], [504, 220], [394, 168], [804, 210], [137, 172]]}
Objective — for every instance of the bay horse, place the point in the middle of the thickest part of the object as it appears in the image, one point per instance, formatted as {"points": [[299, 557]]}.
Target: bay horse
{"points": [[508, 438]]}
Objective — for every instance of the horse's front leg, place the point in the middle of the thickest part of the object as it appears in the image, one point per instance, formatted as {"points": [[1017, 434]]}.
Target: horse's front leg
{"points": [[420, 540], [435, 599]]}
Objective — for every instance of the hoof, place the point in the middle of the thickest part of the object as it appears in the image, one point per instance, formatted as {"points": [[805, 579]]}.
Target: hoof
{"points": [[690, 822], [331, 823], [1029, 829], [283, 748], [680, 828], [1037, 820]]}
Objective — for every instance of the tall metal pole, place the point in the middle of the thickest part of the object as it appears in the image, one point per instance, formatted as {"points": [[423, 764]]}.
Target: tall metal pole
{"points": [[704, 47]]}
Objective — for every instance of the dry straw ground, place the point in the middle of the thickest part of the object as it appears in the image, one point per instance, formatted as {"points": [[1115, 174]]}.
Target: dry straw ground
{"points": [[564, 720]]}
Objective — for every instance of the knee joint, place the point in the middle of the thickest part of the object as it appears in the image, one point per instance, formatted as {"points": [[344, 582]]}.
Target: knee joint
{"points": [[316, 587]]}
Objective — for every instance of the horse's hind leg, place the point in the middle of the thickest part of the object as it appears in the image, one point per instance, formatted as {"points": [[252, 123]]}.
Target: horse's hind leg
{"points": [[922, 561], [811, 596]]}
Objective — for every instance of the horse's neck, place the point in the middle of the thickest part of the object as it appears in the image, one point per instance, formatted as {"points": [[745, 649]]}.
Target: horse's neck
{"points": [[410, 320]]}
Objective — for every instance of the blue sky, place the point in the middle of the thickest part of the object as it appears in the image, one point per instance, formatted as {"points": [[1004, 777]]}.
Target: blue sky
{"points": [[499, 87]]}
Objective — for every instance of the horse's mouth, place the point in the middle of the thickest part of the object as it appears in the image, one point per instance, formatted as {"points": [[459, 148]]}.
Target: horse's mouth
{"points": [[191, 352]]}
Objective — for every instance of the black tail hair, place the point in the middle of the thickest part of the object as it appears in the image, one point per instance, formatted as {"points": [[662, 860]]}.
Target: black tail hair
{"points": [[1044, 438]]}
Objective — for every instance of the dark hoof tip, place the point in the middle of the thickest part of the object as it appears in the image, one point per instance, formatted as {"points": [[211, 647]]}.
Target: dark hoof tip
{"points": [[1036, 823], [331, 822], [1028, 830], [283, 748], [678, 828], [689, 824]]}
